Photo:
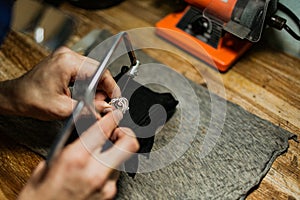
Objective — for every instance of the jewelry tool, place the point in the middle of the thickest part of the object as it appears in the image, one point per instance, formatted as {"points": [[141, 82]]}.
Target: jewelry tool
{"points": [[86, 99]]}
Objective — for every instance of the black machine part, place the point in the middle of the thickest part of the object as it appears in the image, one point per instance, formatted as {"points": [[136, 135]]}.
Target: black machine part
{"points": [[87, 4], [199, 26], [249, 18]]}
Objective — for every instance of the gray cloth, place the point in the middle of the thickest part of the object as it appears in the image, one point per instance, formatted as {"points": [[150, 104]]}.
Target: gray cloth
{"points": [[242, 156], [238, 161]]}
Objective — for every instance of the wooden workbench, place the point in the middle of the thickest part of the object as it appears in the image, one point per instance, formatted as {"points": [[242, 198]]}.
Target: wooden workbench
{"points": [[265, 82]]}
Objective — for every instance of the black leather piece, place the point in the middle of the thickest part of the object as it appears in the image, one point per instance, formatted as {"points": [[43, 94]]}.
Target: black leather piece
{"points": [[142, 118]]}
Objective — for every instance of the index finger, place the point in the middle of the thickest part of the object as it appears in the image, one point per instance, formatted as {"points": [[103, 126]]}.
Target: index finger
{"points": [[106, 82], [109, 85], [96, 136]]}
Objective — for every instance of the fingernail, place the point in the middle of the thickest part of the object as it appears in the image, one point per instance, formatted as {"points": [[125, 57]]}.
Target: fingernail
{"points": [[106, 105], [107, 110]]}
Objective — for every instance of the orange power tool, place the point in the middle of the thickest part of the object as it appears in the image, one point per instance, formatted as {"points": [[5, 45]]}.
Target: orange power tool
{"points": [[225, 29]]}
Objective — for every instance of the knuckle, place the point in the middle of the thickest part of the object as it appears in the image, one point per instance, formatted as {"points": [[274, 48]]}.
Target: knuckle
{"points": [[62, 49], [62, 110], [96, 180], [65, 57], [73, 158], [67, 63]]}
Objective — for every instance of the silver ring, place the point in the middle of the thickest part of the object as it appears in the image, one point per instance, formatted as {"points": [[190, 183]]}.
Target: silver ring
{"points": [[120, 103]]}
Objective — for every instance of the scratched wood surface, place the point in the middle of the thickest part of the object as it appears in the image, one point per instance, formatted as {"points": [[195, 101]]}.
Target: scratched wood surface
{"points": [[265, 82]]}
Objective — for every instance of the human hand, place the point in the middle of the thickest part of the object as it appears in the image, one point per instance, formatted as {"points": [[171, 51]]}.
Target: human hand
{"points": [[43, 92], [81, 170]]}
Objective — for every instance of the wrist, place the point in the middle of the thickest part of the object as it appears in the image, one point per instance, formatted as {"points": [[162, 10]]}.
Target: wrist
{"points": [[9, 98]]}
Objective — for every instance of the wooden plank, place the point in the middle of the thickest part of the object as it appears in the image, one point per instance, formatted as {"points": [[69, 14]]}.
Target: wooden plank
{"points": [[16, 164], [283, 84], [264, 82]]}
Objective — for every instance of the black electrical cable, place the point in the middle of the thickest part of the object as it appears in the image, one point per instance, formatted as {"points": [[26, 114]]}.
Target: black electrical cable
{"points": [[287, 11], [291, 32]]}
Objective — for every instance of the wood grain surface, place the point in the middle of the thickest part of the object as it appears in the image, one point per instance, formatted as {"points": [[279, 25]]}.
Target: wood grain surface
{"points": [[264, 81]]}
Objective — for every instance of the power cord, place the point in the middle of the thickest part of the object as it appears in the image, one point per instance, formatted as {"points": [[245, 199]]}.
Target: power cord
{"points": [[280, 23]]}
